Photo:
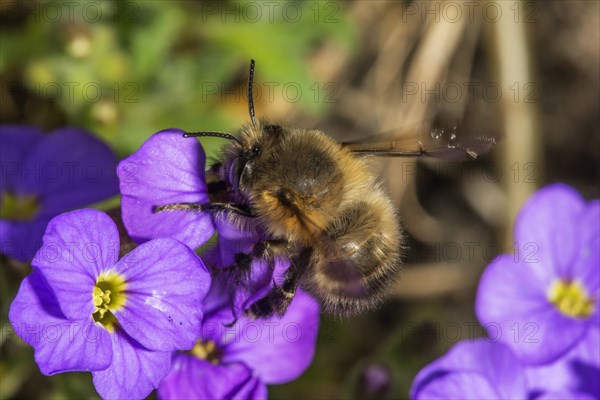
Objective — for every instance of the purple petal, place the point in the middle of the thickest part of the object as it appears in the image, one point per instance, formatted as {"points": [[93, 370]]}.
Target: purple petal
{"points": [[218, 296], [546, 231], [60, 344], [566, 394], [192, 378], [166, 169], [254, 389], [166, 283], [585, 267], [22, 239], [70, 168], [18, 239], [458, 385], [577, 371], [17, 141], [512, 305], [232, 241], [277, 349], [218, 328], [78, 246], [494, 362], [134, 372]]}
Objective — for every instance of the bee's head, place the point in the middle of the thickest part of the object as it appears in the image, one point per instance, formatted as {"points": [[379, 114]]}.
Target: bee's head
{"points": [[243, 157]]}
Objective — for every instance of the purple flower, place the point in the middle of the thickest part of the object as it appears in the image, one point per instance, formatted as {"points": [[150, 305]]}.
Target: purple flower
{"points": [[166, 169], [577, 371], [237, 361], [477, 369], [240, 291], [375, 380], [84, 310], [43, 176], [481, 369], [545, 298]]}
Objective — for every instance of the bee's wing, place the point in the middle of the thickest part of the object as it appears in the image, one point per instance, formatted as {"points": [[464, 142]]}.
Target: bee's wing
{"points": [[452, 143]]}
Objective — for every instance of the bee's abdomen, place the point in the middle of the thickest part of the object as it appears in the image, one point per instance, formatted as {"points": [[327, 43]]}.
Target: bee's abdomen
{"points": [[358, 258]]}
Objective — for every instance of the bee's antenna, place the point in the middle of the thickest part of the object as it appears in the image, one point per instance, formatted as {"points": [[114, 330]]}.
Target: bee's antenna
{"points": [[250, 96], [222, 135]]}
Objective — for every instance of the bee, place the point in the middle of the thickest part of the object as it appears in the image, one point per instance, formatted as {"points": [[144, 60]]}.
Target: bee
{"points": [[320, 206]]}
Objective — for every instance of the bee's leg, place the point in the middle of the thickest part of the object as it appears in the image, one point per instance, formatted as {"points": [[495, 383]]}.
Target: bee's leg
{"points": [[262, 250], [280, 297], [269, 249], [276, 302], [238, 209]]}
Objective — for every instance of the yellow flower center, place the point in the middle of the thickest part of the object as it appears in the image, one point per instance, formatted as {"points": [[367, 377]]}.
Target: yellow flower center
{"points": [[206, 351], [108, 296], [570, 298], [18, 208]]}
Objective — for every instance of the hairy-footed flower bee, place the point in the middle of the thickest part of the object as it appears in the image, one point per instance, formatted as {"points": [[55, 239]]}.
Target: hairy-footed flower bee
{"points": [[321, 207]]}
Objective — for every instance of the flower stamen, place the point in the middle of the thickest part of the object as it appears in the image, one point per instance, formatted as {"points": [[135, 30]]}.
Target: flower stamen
{"points": [[206, 351], [571, 299], [108, 296], [14, 207]]}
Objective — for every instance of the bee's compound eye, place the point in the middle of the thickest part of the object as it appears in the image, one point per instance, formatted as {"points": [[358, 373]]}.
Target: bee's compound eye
{"points": [[255, 150]]}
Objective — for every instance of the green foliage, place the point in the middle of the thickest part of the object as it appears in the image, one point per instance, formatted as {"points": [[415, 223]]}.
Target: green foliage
{"points": [[136, 67]]}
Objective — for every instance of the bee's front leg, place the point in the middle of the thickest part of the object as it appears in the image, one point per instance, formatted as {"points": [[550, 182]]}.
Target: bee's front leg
{"points": [[239, 209]]}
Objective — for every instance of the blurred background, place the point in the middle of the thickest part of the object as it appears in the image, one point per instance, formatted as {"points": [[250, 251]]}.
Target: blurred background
{"points": [[526, 73]]}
